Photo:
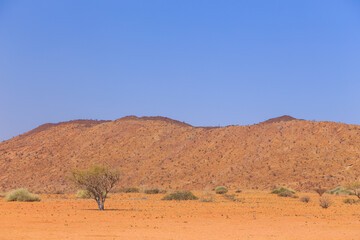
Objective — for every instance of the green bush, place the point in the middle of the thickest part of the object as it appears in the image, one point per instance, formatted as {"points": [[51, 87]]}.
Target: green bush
{"points": [[21, 195], [129, 190], [221, 190], [154, 191], [84, 194], [282, 189], [180, 195], [341, 191]]}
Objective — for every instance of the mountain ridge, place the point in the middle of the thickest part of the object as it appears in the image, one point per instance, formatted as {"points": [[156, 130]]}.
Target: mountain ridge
{"points": [[165, 153]]}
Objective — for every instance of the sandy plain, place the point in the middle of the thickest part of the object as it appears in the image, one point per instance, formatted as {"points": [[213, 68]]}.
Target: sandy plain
{"points": [[258, 215]]}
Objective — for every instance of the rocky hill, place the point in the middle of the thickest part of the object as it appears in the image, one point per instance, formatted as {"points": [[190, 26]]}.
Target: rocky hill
{"points": [[164, 153]]}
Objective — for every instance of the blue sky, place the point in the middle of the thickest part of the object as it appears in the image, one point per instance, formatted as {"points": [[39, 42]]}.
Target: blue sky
{"points": [[203, 62]]}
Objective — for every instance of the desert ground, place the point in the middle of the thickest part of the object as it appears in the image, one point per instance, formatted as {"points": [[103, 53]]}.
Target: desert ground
{"points": [[256, 215]]}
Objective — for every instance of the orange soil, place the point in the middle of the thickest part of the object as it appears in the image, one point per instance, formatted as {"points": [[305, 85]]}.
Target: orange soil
{"points": [[260, 216]]}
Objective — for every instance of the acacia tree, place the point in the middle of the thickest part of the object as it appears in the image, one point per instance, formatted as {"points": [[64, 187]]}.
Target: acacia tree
{"points": [[97, 180]]}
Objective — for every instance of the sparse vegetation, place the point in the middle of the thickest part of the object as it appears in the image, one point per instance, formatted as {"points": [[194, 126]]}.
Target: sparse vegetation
{"points": [[341, 191], [325, 201], [305, 199], [207, 196], [350, 201], [98, 180], [320, 191], [238, 191], [355, 187], [21, 195], [287, 194], [180, 195], [129, 190], [154, 191], [84, 194], [282, 190], [221, 190]]}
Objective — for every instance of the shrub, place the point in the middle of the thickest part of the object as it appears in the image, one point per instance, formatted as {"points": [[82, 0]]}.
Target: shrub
{"points": [[282, 189], [207, 196], [21, 195], [286, 194], [325, 202], [350, 201], [180, 195], [129, 190], [305, 199], [341, 191], [84, 194], [355, 187], [238, 191], [230, 197], [320, 191], [221, 190], [154, 191]]}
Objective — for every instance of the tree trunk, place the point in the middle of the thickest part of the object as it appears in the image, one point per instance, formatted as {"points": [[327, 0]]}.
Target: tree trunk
{"points": [[101, 204]]}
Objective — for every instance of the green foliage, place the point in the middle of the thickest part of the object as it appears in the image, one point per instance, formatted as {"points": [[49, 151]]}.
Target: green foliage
{"points": [[221, 190], [129, 190], [154, 191], [355, 187], [97, 180], [341, 191], [21, 195], [305, 199], [180, 195], [282, 189], [84, 194]]}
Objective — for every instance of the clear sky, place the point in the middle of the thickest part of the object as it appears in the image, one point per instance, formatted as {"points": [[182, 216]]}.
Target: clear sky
{"points": [[203, 62]]}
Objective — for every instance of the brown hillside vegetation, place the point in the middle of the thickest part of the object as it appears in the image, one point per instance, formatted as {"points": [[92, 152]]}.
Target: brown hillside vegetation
{"points": [[164, 153]]}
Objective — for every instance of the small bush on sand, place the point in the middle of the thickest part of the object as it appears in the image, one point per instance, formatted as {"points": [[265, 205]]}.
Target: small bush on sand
{"points": [[325, 201], [21, 195], [305, 199], [154, 191], [350, 201], [238, 191], [180, 195], [341, 191], [84, 194], [282, 189], [221, 190], [207, 196], [320, 191], [129, 190], [286, 194]]}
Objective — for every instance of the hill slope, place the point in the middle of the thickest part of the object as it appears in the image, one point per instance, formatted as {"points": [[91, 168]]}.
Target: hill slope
{"points": [[164, 153]]}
